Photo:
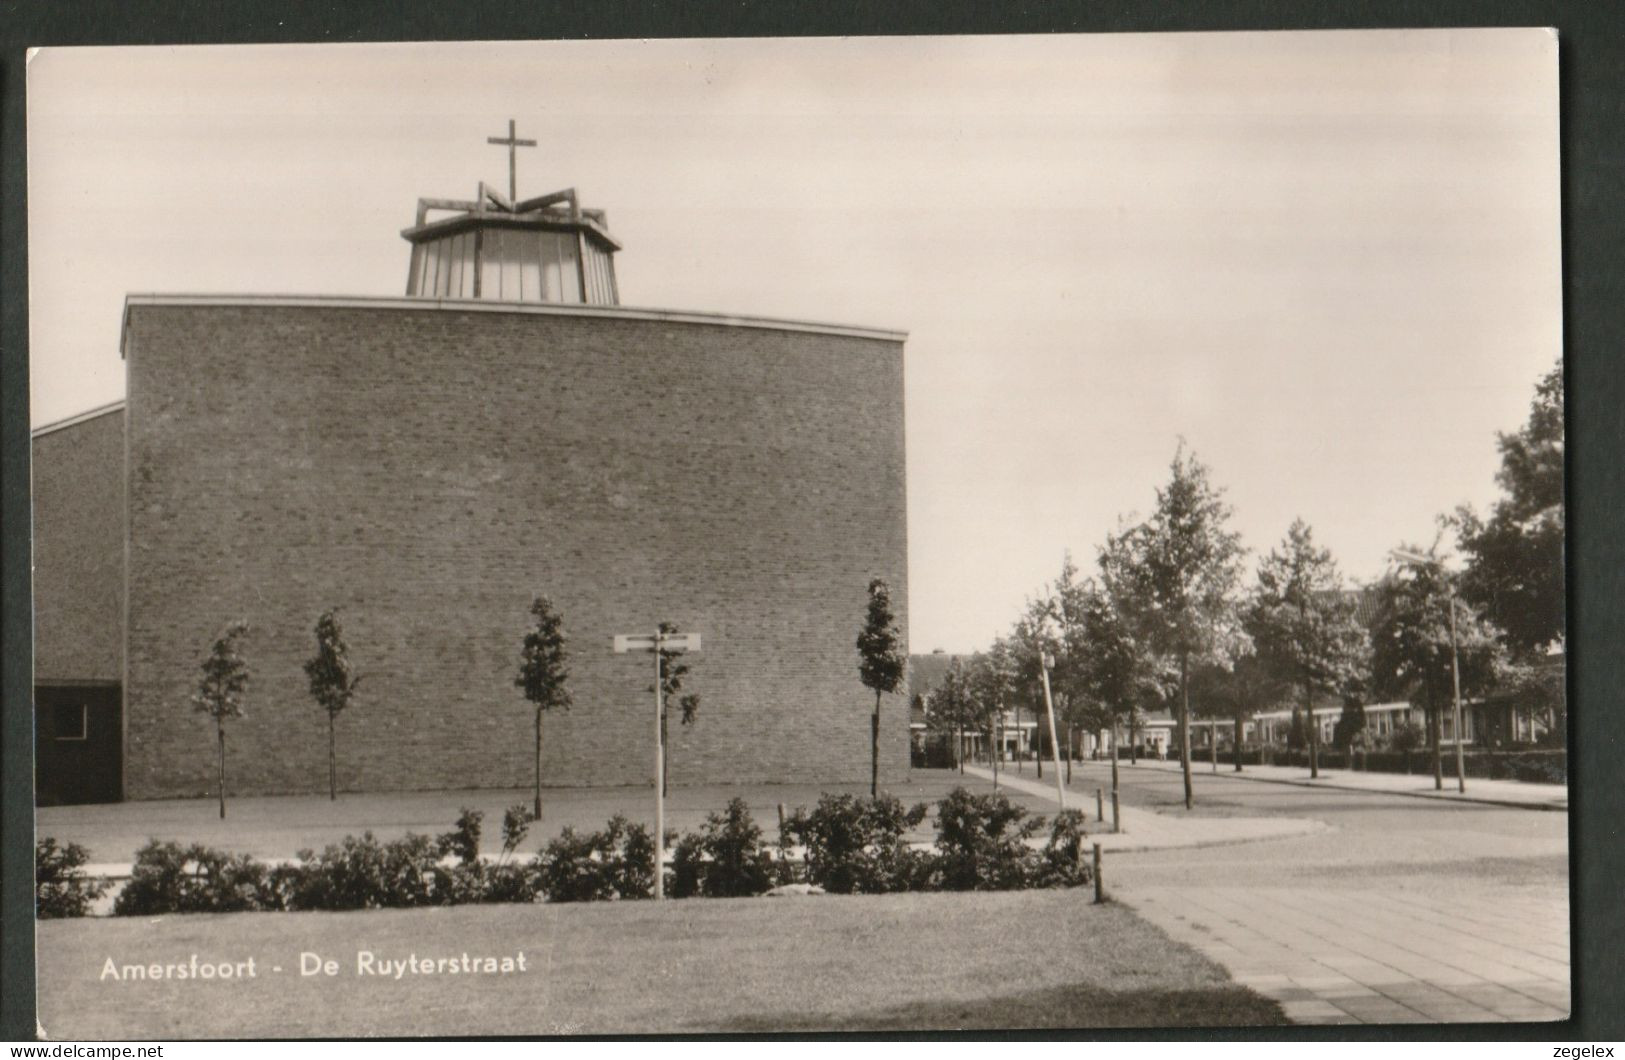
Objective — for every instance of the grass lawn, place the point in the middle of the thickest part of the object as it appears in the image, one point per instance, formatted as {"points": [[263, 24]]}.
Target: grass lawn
{"points": [[279, 826], [883, 962], [1165, 798]]}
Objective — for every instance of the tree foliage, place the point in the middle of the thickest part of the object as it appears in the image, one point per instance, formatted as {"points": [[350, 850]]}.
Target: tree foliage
{"points": [[673, 670], [544, 674], [880, 646], [1302, 621], [993, 686], [1538, 691], [1182, 567], [881, 663], [1116, 670], [332, 683], [1175, 575], [1410, 639], [220, 691], [1069, 605], [952, 708], [225, 678], [1236, 688], [1411, 644], [1304, 624], [1351, 724], [1029, 639], [1515, 556]]}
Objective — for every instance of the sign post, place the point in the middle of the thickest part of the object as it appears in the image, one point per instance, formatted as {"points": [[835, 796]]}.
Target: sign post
{"points": [[655, 644]]}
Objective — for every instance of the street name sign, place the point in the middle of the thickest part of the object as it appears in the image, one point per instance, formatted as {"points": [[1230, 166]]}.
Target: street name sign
{"points": [[625, 642], [654, 643]]}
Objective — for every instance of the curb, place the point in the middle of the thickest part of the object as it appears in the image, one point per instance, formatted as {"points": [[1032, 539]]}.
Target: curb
{"points": [[1311, 826], [1202, 844]]}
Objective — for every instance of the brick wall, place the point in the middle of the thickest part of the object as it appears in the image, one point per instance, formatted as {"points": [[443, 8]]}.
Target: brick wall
{"points": [[429, 470], [78, 484]]}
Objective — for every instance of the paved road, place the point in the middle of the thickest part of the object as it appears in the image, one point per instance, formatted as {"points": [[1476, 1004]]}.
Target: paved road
{"points": [[1400, 910]]}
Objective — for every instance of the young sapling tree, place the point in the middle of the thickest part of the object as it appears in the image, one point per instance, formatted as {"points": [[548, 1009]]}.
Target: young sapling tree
{"points": [[332, 685], [880, 664], [220, 691], [544, 674]]}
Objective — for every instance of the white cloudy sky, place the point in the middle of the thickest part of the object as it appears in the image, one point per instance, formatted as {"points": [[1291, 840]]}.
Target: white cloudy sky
{"points": [[1329, 261]]}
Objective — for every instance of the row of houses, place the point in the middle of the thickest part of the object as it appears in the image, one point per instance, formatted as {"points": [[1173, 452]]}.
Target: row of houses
{"points": [[1155, 733]]}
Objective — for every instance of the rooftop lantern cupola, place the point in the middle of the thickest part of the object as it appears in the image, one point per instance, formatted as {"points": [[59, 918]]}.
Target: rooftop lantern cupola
{"points": [[496, 248]]}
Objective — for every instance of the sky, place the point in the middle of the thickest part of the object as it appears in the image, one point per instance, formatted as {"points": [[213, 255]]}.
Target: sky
{"points": [[1329, 262]]}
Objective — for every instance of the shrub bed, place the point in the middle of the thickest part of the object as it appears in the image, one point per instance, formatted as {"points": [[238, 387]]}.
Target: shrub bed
{"points": [[850, 845], [855, 845], [726, 858], [982, 845], [613, 864]]}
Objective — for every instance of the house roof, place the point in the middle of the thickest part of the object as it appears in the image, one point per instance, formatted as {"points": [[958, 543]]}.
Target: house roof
{"points": [[1366, 600], [925, 672]]}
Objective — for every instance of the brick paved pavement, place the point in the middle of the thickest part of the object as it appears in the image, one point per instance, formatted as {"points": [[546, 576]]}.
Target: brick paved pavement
{"points": [[1353, 945], [1347, 956]]}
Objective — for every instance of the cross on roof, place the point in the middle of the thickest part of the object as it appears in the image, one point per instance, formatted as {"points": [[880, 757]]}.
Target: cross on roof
{"points": [[512, 143]]}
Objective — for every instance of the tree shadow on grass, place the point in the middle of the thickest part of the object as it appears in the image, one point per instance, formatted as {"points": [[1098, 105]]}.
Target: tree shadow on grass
{"points": [[1080, 1007]]}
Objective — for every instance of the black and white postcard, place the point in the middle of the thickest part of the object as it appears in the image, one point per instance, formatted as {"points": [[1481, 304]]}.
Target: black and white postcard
{"points": [[798, 535]]}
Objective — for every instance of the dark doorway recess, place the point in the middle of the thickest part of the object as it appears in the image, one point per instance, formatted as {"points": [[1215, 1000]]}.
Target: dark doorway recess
{"points": [[78, 744]]}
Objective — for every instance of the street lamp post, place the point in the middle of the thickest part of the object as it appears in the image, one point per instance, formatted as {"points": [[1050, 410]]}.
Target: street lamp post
{"points": [[1417, 560], [1046, 662]]}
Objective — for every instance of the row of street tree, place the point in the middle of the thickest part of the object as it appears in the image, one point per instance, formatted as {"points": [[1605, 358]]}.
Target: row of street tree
{"points": [[543, 678], [1170, 619]]}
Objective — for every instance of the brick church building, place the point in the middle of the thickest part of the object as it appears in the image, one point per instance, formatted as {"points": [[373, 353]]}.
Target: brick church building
{"points": [[430, 463]]}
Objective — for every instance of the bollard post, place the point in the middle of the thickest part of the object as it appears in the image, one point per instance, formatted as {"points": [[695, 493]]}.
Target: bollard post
{"points": [[1100, 885], [1100, 805], [781, 816], [1117, 820]]}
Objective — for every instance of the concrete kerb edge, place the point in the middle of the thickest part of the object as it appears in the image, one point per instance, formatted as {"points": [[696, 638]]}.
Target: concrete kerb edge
{"points": [[1309, 826]]}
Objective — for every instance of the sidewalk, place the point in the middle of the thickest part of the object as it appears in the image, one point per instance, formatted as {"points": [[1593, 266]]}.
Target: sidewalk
{"points": [[1146, 830], [1416, 785], [1343, 953]]}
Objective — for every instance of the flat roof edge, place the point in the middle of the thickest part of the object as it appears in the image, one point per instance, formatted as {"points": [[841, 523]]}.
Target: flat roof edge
{"points": [[78, 418], [485, 306]]}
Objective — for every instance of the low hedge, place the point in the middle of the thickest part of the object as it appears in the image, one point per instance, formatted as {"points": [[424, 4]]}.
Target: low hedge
{"points": [[852, 844], [170, 878], [1533, 766]]}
